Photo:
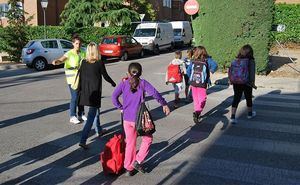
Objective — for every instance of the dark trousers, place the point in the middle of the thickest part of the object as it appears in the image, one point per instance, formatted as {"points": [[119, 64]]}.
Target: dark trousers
{"points": [[239, 89]]}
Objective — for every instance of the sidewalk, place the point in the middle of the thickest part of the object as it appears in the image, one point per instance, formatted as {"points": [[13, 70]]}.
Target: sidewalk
{"points": [[217, 78], [286, 83], [8, 65]]}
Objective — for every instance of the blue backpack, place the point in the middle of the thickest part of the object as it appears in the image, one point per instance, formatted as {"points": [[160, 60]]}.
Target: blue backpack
{"points": [[239, 71], [200, 74]]}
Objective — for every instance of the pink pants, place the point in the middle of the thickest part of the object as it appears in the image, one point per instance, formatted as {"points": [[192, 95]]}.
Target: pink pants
{"points": [[131, 154], [199, 98]]}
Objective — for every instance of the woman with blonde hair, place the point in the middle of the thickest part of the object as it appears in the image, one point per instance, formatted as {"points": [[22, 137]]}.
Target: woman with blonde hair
{"points": [[90, 87]]}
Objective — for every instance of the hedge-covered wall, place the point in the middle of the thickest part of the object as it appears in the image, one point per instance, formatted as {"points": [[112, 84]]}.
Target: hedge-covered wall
{"points": [[224, 26], [289, 15]]}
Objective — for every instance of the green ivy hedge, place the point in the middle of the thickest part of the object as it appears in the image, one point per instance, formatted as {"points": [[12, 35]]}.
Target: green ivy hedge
{"points": [[224, 26], [289, 15]]}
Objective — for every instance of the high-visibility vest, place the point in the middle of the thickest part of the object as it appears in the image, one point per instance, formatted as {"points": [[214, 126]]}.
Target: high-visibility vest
{"points": [[72, 64]]}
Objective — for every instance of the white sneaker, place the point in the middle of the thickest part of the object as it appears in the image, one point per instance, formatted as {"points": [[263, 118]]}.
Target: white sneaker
{"points": [[82, 118], [253, 115], [233, 120], [74, 120]]}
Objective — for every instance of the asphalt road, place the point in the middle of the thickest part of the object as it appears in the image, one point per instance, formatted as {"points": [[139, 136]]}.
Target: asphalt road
{"points": [[39, 146]]}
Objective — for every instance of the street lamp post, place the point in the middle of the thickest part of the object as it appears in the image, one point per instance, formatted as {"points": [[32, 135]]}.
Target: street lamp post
{"points": [[44, 4]]}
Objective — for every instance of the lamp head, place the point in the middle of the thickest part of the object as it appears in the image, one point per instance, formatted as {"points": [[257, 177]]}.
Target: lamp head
{"points": [[44, 3]]}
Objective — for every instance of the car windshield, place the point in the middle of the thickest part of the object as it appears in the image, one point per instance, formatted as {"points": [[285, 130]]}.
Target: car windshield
{"points": [[109, 41], [29, 44], [150, 32], [177, 32]]}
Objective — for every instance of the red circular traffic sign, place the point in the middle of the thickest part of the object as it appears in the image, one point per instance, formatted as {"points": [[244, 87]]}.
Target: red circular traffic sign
{"points": [[191, 7]]}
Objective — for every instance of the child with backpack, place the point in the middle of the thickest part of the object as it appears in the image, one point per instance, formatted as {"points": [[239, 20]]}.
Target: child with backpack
{"points": [[199, 78], [133, 90], [187, 62], [242, 76], [174, 75]]}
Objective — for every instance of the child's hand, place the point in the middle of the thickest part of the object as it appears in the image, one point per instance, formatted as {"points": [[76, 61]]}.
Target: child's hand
{"points": [[166, 110]]}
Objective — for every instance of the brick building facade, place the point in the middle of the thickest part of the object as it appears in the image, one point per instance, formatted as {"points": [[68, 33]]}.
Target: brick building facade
{"points": [[33, 7]]}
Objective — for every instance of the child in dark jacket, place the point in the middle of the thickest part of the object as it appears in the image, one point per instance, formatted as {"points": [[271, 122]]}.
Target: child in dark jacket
{"points": [[245, 55]]}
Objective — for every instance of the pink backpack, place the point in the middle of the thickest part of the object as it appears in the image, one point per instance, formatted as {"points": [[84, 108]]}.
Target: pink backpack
{"points": [[239, 71]]}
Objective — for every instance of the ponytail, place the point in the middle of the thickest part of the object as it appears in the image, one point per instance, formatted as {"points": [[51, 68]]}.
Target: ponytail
{"points": [[135, 71], [134, 82]]}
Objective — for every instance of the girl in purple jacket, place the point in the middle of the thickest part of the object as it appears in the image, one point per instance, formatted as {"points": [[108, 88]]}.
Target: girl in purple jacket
{"points": [[132, 90]]}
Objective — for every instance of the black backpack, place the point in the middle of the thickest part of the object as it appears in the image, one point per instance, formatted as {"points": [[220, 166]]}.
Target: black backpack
{"points": [[200, 74]]}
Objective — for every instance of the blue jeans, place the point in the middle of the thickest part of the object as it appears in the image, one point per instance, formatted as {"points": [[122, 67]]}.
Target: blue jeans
{"points": [[73, 103], [92, 118]]}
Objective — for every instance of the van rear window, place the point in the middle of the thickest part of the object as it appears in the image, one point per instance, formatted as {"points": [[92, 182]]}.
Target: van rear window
{"points": [[177, 32], [110, 41]]}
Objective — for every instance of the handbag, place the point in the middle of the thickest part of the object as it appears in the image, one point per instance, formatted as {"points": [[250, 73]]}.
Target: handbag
{"points": [[75, 84], [144, 123]]}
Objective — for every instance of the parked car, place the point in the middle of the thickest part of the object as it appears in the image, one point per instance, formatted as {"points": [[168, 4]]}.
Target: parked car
{"points": [[155, 36], [120, 46], [40, 53]]}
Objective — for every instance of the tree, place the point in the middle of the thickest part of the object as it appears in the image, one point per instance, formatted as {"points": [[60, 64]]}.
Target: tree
{"points": [[116, 13], [224, 26], [15, 36], [143, 7], [79, 13], [84, 13]]}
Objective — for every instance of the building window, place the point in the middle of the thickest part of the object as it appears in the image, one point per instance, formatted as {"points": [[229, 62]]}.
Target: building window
{"points": [[167, 3], [3, 9]]}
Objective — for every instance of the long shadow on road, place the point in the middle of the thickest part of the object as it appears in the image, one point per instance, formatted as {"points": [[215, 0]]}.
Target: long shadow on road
{"points": [[44, 112], [54, 171]]}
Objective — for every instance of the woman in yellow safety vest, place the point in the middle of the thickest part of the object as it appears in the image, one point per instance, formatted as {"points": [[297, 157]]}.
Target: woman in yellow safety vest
{"points": [[72, 60]]}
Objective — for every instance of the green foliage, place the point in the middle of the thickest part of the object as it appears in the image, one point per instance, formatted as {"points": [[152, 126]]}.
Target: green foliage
{"points": [[144, 7], [91, 34], [79, 13], [289, 15], [116, 13], [224, 26], [14, 36], [84, 13]]}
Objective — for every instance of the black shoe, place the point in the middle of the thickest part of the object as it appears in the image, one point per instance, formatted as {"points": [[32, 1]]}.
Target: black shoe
{"points": [[195, 117], [129, 173], [84, 146], [199, 117], [138, 167]]}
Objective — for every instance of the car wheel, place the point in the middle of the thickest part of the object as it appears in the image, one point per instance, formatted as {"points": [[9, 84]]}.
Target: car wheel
{"points": [[142, 53], [124, 56], [40, 64], [156, 50], [29, 65]]}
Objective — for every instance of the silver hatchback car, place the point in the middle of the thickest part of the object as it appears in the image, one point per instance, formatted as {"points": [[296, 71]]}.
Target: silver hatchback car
{"points": [[40, 53]]}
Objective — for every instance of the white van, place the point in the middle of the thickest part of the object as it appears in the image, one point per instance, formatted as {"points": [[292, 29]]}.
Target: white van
{"points": [[155, 36], [183, 34]]}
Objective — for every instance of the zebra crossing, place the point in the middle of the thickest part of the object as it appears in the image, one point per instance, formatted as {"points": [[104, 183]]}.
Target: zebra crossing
{"points": [[263, 150]]}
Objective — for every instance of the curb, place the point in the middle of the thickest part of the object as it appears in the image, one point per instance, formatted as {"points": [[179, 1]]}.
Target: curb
{"points": [[11, 66]]}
